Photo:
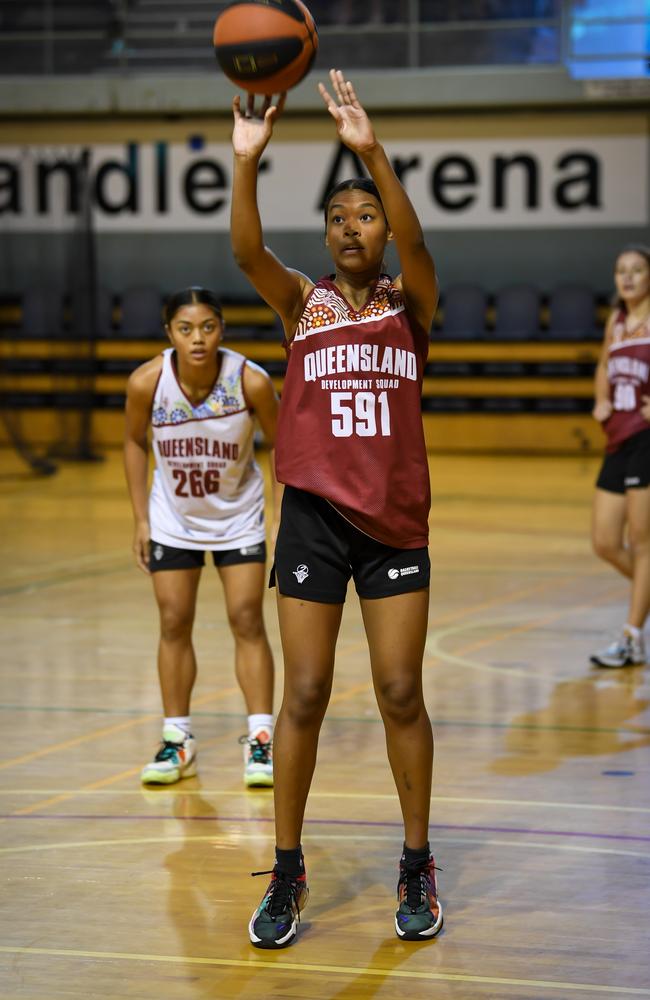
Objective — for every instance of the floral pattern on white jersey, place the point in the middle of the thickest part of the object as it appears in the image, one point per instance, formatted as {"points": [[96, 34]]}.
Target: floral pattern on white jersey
{"points": [[225, 398], [326, 309]]}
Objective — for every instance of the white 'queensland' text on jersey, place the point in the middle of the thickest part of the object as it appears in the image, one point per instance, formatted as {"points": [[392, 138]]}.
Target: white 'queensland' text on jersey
{"points": [[208, 491]]}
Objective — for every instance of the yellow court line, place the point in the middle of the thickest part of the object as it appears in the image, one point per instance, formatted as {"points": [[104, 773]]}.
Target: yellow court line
{"points": [[386, 796], [515, 595], [107, 730], [432, 645], [118, 727], [235, 839], [540, 622], [94, 786], [338, 970]]}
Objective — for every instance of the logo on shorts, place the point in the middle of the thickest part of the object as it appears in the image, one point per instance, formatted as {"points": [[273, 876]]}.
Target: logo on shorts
{"points": [[251, 550], [158, 552], [301, 573], [394, 573], [632, 480]]}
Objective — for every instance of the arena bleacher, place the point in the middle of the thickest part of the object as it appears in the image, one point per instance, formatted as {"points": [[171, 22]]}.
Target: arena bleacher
{"points": [[520, 320]]}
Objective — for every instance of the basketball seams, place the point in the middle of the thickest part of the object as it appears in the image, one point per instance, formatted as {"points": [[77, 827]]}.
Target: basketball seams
{"points": [[265, 48]]}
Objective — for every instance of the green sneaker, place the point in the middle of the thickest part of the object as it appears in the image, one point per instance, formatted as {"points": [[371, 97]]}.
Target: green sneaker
{"points": [[419, 913], [275, 921], [258, 760], [175, 759]]}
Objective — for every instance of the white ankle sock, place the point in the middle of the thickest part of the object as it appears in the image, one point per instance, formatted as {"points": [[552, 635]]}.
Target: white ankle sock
{"points": [[260, 722], [183, 722], [632, 630]]}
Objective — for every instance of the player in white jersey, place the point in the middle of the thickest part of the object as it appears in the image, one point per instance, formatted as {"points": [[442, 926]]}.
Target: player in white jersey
{"points": [[199, 402]]}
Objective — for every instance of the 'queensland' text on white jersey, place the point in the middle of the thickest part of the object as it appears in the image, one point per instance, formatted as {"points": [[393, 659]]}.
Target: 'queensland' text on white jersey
{"points": [[208, 491]]}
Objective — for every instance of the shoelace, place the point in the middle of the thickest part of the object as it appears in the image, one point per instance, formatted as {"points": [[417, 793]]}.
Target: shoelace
{"points": [[283, 892], [259, 752], [168, 750], [418, 883]]}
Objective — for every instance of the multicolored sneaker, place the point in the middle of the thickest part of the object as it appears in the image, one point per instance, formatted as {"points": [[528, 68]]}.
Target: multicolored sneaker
{"points": [[258, 759], [626, 651], [419, 913], [176, 759], [275, 921]]}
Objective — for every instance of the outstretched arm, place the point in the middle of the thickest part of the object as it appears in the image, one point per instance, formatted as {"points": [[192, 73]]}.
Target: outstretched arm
{"points": [[418, 278], [283, 288]]}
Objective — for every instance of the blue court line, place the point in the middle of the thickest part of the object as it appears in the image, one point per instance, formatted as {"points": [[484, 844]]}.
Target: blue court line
{"points": [[331, 822]]}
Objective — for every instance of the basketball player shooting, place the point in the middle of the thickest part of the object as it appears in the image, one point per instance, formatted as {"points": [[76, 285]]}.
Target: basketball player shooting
{"points": [[351, 451]]}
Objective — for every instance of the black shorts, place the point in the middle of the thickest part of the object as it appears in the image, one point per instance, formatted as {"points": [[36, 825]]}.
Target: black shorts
{"points": [[627, 468], [318, 550], [167, 557]]}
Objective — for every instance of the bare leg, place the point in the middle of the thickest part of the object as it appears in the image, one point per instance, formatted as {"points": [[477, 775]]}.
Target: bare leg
{"points": [[609, 514], [397, 628], [309, 631], [243, 587], [638, 513], [176, 591]]}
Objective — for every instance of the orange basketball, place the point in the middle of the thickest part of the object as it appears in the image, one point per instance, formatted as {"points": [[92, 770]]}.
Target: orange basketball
{"points": [[265, 46]]}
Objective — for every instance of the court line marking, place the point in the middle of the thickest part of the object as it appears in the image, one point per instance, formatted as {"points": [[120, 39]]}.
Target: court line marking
{"points": [[233, 840], [365, 720], [341, 696], [339, 970], [478, 828], [432, 645], [108, 730], [382, 796]]}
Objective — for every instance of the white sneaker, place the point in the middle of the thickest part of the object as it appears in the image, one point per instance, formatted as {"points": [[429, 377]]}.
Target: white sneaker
{"points": [[626, 651], [176, 759], [258, 760]]}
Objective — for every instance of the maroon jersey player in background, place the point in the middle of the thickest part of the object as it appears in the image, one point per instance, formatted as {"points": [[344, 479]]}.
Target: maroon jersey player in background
{"points": [[622, 500], [351, 452]]}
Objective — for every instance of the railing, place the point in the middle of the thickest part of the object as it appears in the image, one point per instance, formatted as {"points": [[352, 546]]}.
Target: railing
{"points": [[592, 37]]}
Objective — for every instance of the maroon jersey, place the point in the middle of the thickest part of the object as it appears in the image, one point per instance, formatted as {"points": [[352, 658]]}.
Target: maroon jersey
{"points": [[628, 371], [350, 426]]}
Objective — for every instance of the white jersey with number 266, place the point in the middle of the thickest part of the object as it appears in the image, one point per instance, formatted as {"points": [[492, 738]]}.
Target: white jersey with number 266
{"points": [[208, 491]]}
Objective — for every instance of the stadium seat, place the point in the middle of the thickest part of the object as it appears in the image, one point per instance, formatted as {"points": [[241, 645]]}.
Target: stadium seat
{"points": [[82, 323], [463, 313], [42, 312], [572, 314], [141, 312], [517, 313]]}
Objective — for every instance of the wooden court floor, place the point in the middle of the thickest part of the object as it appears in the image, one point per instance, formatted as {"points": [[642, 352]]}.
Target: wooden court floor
{"points": [[542, 781]]}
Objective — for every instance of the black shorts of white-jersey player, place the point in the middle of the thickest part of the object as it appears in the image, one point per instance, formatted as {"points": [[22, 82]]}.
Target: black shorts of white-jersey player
{"points": [[362, 217], [198, 401], [621, 508]]}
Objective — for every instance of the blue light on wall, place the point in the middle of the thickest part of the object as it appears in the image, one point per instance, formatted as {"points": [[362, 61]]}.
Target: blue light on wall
{"points": [[609, 38]]}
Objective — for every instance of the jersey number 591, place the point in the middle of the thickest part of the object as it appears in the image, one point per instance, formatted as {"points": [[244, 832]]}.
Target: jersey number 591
{"points": [[356, 413]]}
